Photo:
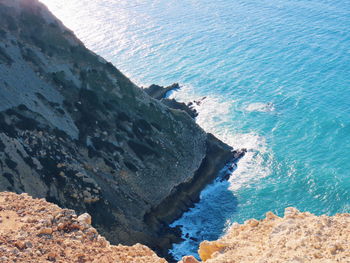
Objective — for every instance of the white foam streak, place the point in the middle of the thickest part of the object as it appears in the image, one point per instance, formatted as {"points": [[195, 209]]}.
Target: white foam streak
{"points": [[260, 107]]}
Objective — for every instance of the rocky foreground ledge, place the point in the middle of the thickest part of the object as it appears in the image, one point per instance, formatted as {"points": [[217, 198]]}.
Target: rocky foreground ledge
{"points": [[297, 237], [33, 230]]}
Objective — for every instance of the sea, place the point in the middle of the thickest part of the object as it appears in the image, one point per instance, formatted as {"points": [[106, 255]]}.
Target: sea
{"points": [[271, 76]]}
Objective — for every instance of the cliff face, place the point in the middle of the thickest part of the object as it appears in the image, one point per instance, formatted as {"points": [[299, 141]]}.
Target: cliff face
{"points": [[76, 131]]}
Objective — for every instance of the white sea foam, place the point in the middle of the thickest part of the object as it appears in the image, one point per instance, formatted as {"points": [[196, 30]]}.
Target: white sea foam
{"points": [[260, 107], [214, 117], [208, 218]]}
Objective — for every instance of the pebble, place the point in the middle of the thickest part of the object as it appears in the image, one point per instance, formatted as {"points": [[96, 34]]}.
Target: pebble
{"points": [[20, 245], [52, 256], [45, 231]]}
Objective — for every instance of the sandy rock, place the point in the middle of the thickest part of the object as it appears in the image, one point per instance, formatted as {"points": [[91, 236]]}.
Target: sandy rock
{"points": [[85, 219], [20, 245], [45, 231], [297, 237], [189, 259], [207, 249], [65, 241], [52, 256]]}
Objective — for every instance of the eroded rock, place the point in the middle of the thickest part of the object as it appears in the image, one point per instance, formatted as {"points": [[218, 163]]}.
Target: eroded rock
{"points": [[65, 244], [296, 237]]}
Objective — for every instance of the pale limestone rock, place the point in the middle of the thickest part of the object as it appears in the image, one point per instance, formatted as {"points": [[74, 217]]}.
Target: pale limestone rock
{"points": [[45, 231], [207, 249], [66, 243], [189, 259], [297, 237], [85, 219]]}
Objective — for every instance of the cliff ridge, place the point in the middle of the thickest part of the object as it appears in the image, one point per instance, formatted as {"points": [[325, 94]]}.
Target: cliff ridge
{"points": [[75, 131]]}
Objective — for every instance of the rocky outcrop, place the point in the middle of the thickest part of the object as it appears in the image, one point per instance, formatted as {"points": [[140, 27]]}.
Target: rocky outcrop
{"points": [[33, 230], [76, 131], [160, 93], [297, 237], [174, 104]]}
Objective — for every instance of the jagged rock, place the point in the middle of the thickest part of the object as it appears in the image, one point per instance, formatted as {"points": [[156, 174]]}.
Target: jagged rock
{"points": [[64, 245], [159, 92], [207, 249], [297, 237], [172, 103]]}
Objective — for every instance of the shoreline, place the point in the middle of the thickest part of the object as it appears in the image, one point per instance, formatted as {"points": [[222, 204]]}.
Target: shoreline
{"points": [[218, 156], [93, 141]]}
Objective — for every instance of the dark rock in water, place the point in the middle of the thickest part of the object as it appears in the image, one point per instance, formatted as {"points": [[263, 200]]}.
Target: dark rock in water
{"points": [[172, 103], [159, 92], [232, 165], [240, 153], [76, 131], [225, 177], [198, 102]]}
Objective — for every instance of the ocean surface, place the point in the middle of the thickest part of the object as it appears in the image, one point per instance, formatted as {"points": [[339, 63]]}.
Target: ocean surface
{"points": [[273, 76]]}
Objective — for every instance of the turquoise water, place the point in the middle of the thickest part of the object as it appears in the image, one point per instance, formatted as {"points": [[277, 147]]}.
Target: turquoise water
{"points": [[276, 79]]}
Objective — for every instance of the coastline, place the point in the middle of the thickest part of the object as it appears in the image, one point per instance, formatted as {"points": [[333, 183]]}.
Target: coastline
{"points": [[45, 232], [91, 140], [79, 133], [186, 195]]}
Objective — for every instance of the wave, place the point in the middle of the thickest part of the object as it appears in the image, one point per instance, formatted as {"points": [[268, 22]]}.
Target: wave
{"points": [[215, 115], [209, 218]]}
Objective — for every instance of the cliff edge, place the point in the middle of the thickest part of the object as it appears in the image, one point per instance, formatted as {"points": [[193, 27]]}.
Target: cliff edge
{"points": [[75, 131], [33, 230]]}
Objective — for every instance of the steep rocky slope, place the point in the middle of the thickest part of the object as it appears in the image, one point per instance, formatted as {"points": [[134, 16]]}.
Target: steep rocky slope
{"points": [[76, 131], [297, 237], [33, 230]]}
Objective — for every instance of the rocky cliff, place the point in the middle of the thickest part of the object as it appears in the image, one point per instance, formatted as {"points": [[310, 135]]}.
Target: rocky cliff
{"points": [[76, 131], [297, 237], [33, 230]]}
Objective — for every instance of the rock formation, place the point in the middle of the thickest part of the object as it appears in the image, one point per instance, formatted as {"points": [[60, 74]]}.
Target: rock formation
{"points": [[76, 131], [297, 237], [33, 230], [160, 93]]}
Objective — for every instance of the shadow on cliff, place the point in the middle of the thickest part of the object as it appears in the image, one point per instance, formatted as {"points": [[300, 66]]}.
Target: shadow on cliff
{"points": [[208, 220]]}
